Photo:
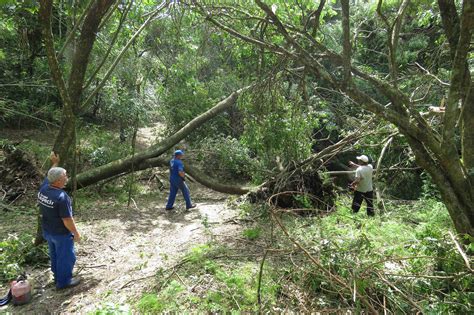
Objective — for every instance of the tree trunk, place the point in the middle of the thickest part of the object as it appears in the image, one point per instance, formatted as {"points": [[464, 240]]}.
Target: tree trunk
{"points": [[126, 164], [453, 196], [71, 92], [199, 176]]}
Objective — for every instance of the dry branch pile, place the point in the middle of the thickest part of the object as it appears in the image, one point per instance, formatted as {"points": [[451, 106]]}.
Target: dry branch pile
{"points": [[298, 188], [19, 174]]}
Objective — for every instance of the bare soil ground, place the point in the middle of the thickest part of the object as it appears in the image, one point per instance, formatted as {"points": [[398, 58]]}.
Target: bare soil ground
{"points": [[122, 249]]}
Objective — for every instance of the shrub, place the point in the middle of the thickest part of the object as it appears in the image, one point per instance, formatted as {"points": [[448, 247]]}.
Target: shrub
{"points": [[16, 252], [226, 157]]}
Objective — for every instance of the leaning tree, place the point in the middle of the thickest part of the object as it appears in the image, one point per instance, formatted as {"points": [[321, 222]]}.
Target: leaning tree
{"points": [[297, 33]]}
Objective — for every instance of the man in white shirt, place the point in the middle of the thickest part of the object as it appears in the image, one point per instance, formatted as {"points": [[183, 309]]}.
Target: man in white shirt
{"points": [[362, 185]]}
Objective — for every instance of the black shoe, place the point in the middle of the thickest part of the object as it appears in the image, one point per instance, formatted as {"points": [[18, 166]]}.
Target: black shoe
{"points": [[192, 206], [169, 209], [73, 283]]}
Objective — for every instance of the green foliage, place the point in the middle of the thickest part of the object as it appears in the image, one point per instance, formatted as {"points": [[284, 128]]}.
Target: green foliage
{"points": [[26, 97], [167, 300], [38, 150], [198, 253], [429, 189], [226, 157], [304, 201], [16, 252], [196, 72], [275, 129], [95, 146], [406, 240], [112, 309], [252, 233], [233, 286]]}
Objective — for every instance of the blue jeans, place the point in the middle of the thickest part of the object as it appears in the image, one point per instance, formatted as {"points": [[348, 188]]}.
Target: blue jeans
{"points": [[63, 258], [175, 185]]}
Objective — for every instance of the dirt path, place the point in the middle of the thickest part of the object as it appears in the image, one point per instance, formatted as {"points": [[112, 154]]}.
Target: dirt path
{"points": [[123, 248]]}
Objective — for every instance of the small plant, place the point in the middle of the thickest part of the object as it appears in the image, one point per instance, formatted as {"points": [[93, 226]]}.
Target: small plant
{"points": [[205, 221], [167, 300], [198, 253], [252, 233], [304, 201], [16, 252]]}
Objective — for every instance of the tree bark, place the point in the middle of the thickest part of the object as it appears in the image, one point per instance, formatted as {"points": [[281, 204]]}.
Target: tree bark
{"points": [[199, 176]]}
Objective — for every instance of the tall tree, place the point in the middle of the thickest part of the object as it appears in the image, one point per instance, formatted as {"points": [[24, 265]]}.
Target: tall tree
{"points": [[71, 91], [288, 35]]}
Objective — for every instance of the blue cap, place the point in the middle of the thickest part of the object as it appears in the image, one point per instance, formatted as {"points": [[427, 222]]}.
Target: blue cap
{"points": [[178, 152]]}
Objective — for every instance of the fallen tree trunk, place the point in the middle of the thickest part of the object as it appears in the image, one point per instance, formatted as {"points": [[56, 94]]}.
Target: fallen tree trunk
{"points": [[125, 165], [199, 176]]}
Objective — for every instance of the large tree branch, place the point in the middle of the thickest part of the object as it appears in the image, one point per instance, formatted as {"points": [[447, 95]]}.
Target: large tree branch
{"points": [[119, 57], [72, 33], [239, 35], [85, 43], [450, 20], [111, 45], [398, 116], [395, 33], [346, 46], [313, 19], [126, 164], [195, 173], [463, 221], [459, 75], [45, 10]]}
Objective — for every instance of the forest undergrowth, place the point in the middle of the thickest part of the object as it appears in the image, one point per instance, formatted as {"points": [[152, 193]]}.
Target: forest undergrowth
{"points": [[402, 261]]}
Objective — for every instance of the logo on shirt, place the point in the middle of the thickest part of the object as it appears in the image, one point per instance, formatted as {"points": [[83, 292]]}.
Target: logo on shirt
{"points": [[45, 201]]}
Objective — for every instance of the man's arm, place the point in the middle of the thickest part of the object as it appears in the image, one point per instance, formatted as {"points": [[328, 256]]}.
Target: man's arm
{"points": [[54, 159], [356, 182], [71, 226], [181, 170], [352, 164], [358, 178]]}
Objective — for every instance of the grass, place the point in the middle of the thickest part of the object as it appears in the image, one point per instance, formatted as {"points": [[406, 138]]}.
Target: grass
{"points": [[405, 246]]}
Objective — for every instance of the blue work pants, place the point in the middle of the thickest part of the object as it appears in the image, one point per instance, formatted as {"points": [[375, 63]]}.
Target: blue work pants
{"points": [[63, 258], [175, 185]]}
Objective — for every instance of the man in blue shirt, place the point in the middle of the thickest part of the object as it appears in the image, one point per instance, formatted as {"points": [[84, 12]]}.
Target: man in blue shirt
{"points": [[177, 178], [59, 228]]}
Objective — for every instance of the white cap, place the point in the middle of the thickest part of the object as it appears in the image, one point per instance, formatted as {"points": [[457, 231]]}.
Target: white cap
{"points": [[363, 158]]}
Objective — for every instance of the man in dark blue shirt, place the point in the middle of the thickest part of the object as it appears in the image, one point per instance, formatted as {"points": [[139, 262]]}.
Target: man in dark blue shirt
{"points": [[59, 228], [177, 178]]}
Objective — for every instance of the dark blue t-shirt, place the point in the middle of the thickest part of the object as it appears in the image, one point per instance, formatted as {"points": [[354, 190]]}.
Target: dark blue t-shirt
{"points": [[54, 204], [176, 166]]}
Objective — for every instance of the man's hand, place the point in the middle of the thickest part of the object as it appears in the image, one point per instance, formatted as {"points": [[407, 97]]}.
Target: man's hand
{"points": [[77, 237], [352, 164], [71, 226], [54, 159]]}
